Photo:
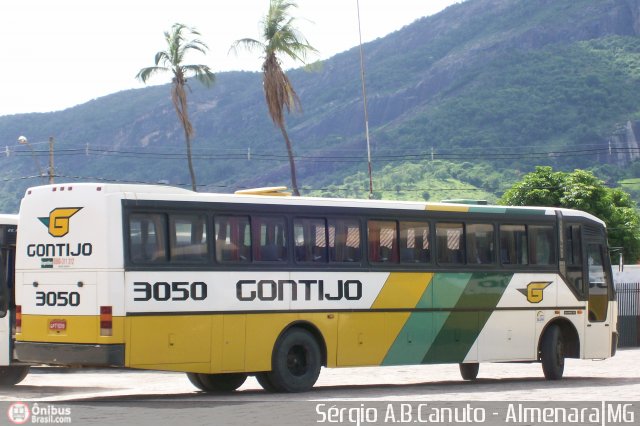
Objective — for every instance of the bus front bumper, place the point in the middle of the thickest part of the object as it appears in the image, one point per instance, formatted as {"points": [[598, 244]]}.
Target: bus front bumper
{"points": [[76, 354]]}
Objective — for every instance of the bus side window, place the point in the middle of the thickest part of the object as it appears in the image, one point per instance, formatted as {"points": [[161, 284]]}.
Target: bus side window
{"points": [[450, 243], [344, 240], [147, 242], [269, 239], [383, 245], [232, 239], [513, 245], [414, 242], [542, 245], [480, 245], [310, 236], [188, 237]]}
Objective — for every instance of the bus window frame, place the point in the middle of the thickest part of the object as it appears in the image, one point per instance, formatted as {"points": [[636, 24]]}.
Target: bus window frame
{"points": [[494, 254], [324, 260], [359, 219], [165, 236], [419, 264], [254, 221], [203, 260], [214, 261]]}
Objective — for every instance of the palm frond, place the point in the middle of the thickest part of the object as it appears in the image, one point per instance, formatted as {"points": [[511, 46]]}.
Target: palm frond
{"points": [[145, 73], [249, 44], [202, 73], [162, 57]]}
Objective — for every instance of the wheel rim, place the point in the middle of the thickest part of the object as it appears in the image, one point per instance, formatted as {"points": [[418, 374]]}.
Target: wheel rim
{"points": [[297, 360]]}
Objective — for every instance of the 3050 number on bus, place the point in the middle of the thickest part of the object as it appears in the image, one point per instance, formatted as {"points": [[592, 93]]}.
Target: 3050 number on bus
{"points": [[164, 291], [57, 298]]}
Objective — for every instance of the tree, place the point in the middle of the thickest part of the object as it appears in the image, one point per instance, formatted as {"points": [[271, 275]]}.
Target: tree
{"points": [[582, 190], [171, 60], [279, 37]]}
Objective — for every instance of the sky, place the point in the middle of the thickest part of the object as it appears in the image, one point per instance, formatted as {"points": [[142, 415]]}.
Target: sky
{"points": [[60, 53]]}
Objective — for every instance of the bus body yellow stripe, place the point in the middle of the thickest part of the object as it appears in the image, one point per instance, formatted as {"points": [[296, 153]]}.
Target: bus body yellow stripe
{"points": [[447, 208], [402, 290]]}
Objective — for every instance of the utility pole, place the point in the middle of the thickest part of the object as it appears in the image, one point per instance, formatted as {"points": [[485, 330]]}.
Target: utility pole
{"points": [[364, 98], [51, 160]]}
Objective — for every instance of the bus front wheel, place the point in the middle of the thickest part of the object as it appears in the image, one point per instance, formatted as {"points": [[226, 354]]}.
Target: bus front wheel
{"points": [[13, 375], [469, 371], [296, 362], [552, 355], [217, 382]]}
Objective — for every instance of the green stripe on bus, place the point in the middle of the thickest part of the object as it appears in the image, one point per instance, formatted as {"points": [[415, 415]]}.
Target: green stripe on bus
{"points": [[521, 211], [461, 327], [418, 333], [491, 209]]}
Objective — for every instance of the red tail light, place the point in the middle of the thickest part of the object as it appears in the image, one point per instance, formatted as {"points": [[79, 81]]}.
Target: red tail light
{"points": [[18, 319], [106, 321]]}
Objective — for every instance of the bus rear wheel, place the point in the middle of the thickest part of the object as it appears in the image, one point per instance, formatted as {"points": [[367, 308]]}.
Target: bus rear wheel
{"points": [[13, 375], [217, 382], [552, 355], [296, 362], [469, 371]]}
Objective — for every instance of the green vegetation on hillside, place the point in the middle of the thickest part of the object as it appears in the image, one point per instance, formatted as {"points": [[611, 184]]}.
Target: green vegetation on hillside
{"points": [[426, 181], [581, 190], [555, 105]]}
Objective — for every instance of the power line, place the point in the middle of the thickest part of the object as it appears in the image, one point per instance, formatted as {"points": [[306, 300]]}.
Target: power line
{"points": [[341, 158]]}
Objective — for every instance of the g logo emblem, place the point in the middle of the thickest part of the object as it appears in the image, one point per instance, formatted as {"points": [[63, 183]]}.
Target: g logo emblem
{"points": [[58, 220], [535, 291]]}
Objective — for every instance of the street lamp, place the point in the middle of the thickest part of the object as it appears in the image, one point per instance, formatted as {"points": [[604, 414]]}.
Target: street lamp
{"points": [[22, 140]]}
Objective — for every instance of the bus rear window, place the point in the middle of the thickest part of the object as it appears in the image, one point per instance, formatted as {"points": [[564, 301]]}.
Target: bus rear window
{"points": [[147, 241]]}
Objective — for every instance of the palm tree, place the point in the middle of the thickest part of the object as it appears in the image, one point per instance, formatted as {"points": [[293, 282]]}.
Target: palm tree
{"points": [[171, 60], [279, 37]]}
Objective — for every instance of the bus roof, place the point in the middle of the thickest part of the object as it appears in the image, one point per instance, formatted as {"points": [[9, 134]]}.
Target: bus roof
{"points": [[8, 219], [170, 193]]}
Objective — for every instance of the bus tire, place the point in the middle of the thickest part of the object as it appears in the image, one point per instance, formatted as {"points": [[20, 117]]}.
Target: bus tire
{"points": [[227, 382], [13, 375], [265, 382], [296, 362], [552, 355], [469, 370]]}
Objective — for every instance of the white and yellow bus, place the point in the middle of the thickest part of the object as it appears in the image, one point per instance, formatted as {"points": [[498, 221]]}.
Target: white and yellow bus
{"points": [[223, 286], [11, 371]]}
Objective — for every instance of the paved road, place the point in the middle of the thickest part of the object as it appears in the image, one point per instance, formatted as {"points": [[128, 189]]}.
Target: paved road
{"points": [[109, 396]]}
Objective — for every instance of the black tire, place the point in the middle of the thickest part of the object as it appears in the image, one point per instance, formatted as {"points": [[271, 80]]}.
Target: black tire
{"points": [[13, 375], [552, 355], [265, 382], [227, 382], [469, 371], [296, 362]]}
